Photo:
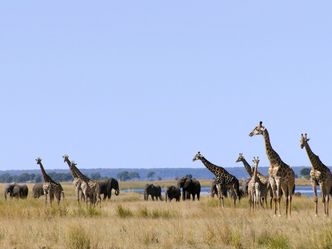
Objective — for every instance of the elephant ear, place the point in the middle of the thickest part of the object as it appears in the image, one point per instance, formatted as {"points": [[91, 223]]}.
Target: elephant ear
{"points": [[180, 183], [187, 183]]}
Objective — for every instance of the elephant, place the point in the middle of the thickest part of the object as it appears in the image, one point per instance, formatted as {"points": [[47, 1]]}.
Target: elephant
{"points": [[106, 187], [154, 191], [16, 190], [9, 189], [214, 190], [244, 187], [190, 186], [37, 190], [173, 192]]}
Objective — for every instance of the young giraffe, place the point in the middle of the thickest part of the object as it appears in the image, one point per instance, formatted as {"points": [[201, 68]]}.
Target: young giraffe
{"points": [[90, 188], [254, 187], [281, 175], [319, 174], [263, 180], [51, 188], [224, 179], [76, 180]]}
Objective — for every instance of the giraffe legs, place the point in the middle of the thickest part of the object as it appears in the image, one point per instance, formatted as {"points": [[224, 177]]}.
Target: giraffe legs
{"points": [[277, 198], [58, 196], [252, 200], [314, 188], [78, 194], [46, 196], [51, 197], [290, 202], [220, 195], [234, 195], [285, 190], [325, 197], [327, 204], [275, 192]]}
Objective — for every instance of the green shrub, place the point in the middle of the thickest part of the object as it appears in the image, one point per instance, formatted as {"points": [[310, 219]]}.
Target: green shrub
{"points": [[275, 241]]}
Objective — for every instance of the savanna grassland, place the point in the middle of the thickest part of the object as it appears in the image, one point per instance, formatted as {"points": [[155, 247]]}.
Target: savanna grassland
{"points": [[129, 222]]}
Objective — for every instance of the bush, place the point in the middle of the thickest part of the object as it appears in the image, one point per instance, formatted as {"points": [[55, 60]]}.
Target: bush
{"points": [[78, 239], [275, 241], [123, 212]]}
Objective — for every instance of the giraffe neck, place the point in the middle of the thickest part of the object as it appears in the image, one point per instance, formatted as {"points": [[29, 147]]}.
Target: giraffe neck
{"points": [[46, 177], [316, 163], [273, 156], [247, 167], [255, 173], [79, 174], [216, 170], [71, 169]]}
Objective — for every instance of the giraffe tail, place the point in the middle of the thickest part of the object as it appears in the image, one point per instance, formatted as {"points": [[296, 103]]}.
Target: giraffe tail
{"points": [[293, 190]]}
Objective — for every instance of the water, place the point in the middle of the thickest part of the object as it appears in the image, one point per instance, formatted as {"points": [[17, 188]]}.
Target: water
{"points": [[304, 190]]}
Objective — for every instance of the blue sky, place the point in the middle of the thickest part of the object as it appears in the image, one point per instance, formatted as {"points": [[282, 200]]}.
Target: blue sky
{"points": [[149, 83]]}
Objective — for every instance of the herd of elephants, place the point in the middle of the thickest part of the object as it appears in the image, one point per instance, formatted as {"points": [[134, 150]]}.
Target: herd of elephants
{"points": [[279, 182]]}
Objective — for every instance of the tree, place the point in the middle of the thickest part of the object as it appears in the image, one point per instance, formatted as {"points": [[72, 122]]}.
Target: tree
{"points": [[6, 177], [123, 176], [133, 175], [95, 176], [305, 172], [151, 175]]}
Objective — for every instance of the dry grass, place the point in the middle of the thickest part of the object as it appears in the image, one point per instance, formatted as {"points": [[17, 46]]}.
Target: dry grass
{"points": [[129, 222]]}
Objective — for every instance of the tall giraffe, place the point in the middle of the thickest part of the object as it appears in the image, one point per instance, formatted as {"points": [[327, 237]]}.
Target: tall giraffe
{"points": [[76, 180], [224, 179], [263, 180], [90, 188], [51, 188], [254, 187], [319, 174], [281, 175]]}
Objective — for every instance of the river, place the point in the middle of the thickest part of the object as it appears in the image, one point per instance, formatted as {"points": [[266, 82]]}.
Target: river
{"points": [[304, 190]]}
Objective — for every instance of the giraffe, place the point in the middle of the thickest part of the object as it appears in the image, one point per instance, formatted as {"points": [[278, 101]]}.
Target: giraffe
{"points": [[76, 180], [51, 188], [281, 175], [319, 174], [224, 179], [90, 188], [263, 180], [254, 187]]}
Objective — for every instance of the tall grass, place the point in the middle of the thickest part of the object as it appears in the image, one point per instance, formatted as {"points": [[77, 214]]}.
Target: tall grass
{"points": [[78, 238], [129, 222]]}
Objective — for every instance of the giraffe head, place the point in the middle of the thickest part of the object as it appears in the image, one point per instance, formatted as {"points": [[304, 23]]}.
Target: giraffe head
{"points": [[198, 156], [65, 157], [256, 162], [258, 130], [38, 160], [240, 158], [304, 140]]}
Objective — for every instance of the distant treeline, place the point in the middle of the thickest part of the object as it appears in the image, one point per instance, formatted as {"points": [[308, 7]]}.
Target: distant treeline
{"points": [[65, 177], [132, 174]]}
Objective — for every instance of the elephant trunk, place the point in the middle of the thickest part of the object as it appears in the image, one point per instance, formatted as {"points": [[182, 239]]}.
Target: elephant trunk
{"points": [[63, 194], [117, 192]]}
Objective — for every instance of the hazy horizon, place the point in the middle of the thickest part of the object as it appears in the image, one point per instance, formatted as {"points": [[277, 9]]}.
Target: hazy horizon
{"points": [[149, 84]]}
